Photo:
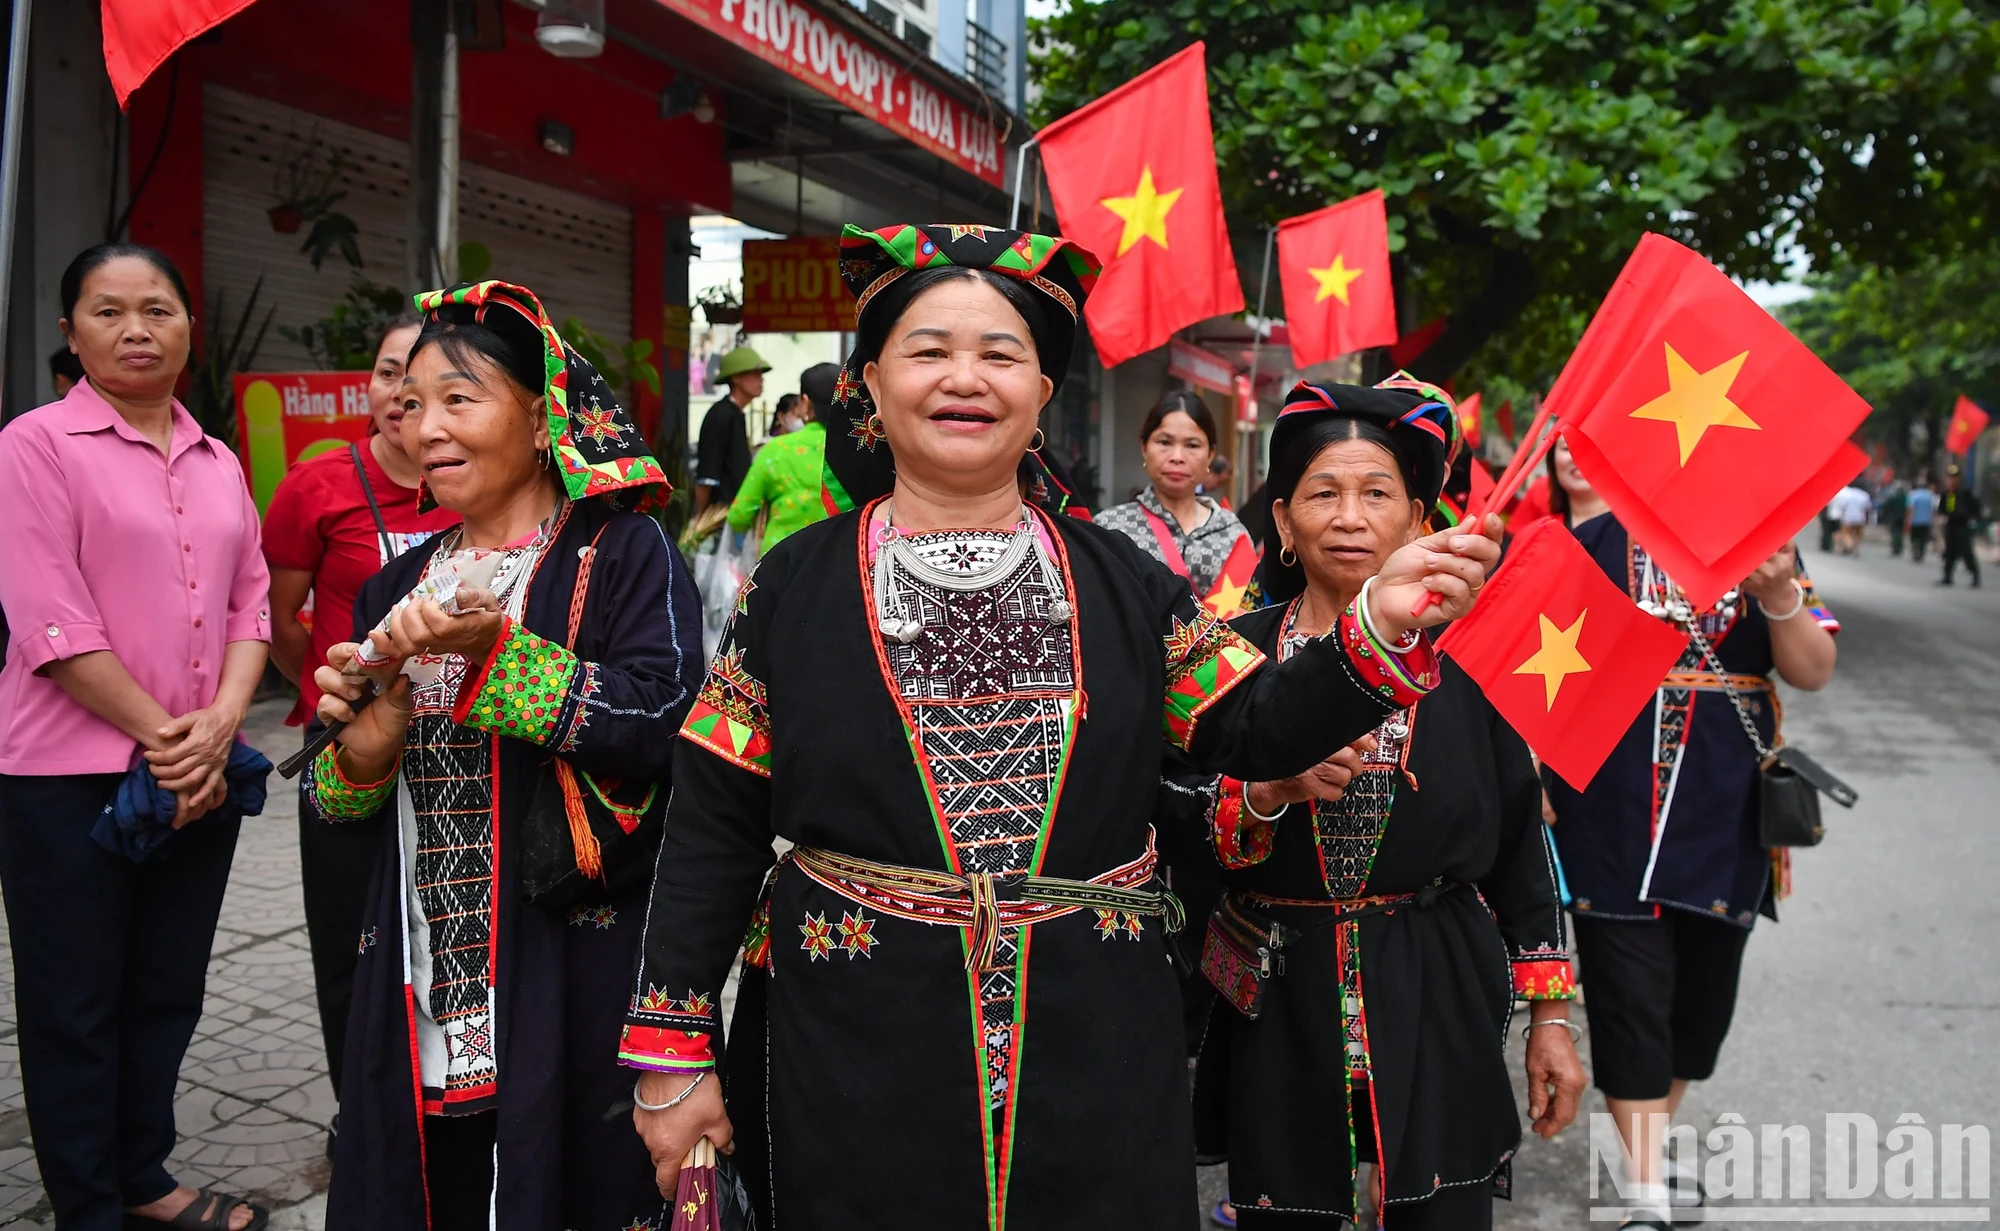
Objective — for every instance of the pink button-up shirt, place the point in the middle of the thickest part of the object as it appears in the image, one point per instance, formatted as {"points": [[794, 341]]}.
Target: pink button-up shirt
{"points": [[105, 544]]}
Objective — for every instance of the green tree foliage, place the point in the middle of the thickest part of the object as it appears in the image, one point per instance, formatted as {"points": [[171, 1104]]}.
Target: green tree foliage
{"points": [[1524, 146], [1909, 342]]}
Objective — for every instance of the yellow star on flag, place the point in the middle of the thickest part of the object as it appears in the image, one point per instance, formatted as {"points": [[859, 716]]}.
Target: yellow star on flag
{"points": [[1144, 212], [1558, 659], [1696, 401], [1226, 600], [1333, 280]]}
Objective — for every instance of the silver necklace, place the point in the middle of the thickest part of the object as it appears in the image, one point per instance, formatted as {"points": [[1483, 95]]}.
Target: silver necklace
{"points": [[896, 558]]}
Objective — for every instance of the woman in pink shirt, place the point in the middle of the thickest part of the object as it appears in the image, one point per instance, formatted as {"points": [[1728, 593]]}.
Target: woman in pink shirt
{"points": [[135, 584]]}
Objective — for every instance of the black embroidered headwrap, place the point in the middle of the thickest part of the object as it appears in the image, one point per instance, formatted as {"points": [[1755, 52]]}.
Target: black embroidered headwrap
{"points": [[595, 445], [1421, 421], [859, 466]]}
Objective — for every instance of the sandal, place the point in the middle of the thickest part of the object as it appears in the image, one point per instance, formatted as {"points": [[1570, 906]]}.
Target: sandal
{"points": [[1224, 1214], [210, 1211]]}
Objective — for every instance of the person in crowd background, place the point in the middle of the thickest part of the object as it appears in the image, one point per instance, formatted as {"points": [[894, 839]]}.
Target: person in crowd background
{"points": [[133, 573], [65, 369], [332, 524], [1216, 485], [1851, 507], [1661, 852], [1960, 511], [1171, 520], [785, 475], [722, 457], [1918, 512], [482, 1087], [786, 417], [1894, 514]]}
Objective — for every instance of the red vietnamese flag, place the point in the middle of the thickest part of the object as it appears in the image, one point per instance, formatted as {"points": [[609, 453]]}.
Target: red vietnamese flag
{"points": [[1334, 266], [1967, 421], [1565, 656], [139, 35], [1224, 599], [1482, 483], [1133, 178], [1504, 417], [1712, 432], [1470, 421]]}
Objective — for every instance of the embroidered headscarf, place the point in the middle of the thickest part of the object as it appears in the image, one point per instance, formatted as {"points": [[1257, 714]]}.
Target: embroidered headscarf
{"points": [[859, 466], [1420, 419], [595, 446]]}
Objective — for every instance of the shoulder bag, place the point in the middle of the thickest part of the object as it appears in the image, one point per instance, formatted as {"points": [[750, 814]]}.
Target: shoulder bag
{"points": [[1789, 782], [577, 842]]}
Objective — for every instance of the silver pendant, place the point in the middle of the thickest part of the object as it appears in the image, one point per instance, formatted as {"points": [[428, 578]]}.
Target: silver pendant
{"points": [[1059, 611], [904, 631], [1396, 730]]}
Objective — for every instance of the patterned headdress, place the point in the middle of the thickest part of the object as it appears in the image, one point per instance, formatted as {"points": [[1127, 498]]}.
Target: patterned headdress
{"points": [[1420, 418], [596, 446], [859, 466]]}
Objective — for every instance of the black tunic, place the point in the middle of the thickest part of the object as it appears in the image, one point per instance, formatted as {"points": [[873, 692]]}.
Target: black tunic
{"points": [[868, 1085], [566, 1154], [1433, 991]]}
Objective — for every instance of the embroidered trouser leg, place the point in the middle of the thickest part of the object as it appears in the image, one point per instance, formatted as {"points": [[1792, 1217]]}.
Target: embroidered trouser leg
{"points": [[110, 958]]}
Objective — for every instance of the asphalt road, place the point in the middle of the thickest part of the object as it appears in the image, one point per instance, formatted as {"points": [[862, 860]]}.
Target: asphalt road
{"points": [[1879, 992]]}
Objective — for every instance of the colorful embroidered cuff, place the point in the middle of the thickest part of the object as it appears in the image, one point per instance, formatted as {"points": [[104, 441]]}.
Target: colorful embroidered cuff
{"points": [[523, 689], [1402, 675], [1241, 839], [730, 717], [662, 1050], [1205, 658], [1543, 978], [339, 799]]}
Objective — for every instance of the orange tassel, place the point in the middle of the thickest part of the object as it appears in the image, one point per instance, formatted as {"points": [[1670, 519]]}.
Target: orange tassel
{"points": [[589, 858]]}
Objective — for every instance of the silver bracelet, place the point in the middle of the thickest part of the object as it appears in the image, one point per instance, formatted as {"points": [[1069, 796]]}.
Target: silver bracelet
{"points": [[1799, 592], [1252, 808], [1574, 1033], [675, 1101]]}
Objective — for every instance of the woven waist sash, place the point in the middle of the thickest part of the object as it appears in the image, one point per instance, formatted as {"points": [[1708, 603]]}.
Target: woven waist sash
{"points": [[985, 902], [1711, 681]]}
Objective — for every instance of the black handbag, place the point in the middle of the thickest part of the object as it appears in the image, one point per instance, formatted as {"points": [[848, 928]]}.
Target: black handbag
{"points": [[584, 838], [1789, 782]]}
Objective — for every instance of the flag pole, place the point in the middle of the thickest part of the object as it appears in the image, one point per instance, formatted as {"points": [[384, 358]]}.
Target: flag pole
{"points": [[10, 152], [1244, 430], [1020, 165]]}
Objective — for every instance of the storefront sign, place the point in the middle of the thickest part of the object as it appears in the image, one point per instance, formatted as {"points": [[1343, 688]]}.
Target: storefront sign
{"points": [[284, 418], [797, 38], [794, 286], [1203, 369]]}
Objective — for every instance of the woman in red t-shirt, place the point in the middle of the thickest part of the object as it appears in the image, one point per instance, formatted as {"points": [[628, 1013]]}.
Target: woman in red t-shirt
{"points": [[333, 523]]}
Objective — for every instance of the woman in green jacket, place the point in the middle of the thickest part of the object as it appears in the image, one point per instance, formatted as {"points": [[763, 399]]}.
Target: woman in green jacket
{"points": [[785, 474]]}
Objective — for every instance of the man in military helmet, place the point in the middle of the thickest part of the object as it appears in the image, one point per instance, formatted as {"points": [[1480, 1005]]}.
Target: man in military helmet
{"points": [[722, 456]]}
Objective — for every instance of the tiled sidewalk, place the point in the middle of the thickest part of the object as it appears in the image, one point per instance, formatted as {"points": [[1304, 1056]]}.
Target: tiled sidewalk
{"points": [[254, 1103]]}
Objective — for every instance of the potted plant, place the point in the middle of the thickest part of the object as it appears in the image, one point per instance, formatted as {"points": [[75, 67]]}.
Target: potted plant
{"points": [[307, 191], [722, 305]]}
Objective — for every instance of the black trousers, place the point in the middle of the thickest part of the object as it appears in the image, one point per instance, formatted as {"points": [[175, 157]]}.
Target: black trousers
{"points": [[110, 958], [1660, 994], [1920, 542], [336, 866], [1957, 547]]}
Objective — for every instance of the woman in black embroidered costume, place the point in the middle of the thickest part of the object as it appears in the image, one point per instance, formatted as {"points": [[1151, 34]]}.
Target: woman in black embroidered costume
{"points": [[1383, 911], [1665, 870], [480, 1080], [957, 1010]]}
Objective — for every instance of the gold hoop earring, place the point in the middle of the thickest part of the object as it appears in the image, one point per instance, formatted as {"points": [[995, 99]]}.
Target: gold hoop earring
{"points": [[1284, 552], [1041, 438]]}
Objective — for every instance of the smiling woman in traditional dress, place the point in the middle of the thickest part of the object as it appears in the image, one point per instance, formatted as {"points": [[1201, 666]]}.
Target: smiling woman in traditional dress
{"points": [[480, 1087], [1383, 911], [958, 1011]]}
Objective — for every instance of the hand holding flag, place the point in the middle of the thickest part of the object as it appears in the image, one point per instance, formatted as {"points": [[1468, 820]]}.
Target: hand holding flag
{"points": [[1434, 579]]}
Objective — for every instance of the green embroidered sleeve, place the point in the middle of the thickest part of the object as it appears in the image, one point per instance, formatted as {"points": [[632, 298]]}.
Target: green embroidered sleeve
{"points": [[528, 688], [339, 799]]}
